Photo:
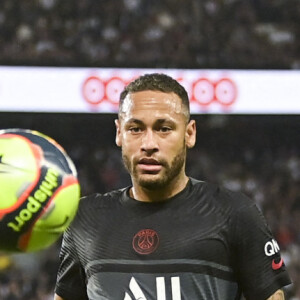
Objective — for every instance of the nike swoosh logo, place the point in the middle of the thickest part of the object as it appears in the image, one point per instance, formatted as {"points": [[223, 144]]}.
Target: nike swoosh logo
{"points": [[54, 228], [8, 168], [276, 266]]}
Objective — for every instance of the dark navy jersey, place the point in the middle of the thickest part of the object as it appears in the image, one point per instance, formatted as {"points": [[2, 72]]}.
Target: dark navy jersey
{"points": [[205, 243]]}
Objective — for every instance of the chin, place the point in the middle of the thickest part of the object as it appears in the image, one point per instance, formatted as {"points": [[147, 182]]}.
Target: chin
{"points": [[152, 182]]}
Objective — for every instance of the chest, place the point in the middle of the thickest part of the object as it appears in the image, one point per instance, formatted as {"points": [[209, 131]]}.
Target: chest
{"points": [[156, 235]]}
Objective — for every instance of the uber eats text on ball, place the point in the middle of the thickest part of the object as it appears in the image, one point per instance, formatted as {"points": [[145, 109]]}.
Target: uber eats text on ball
{"points": [[44, 192]]}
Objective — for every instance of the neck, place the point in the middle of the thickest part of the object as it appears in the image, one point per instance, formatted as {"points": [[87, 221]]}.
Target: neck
{"points": [[161, 194]]}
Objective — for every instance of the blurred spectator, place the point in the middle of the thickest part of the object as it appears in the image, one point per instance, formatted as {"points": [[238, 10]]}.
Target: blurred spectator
{"points": [[172, 33]]}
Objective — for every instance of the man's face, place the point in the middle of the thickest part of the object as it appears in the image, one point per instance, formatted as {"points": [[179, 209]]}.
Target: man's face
{"points": [[153, 133]]}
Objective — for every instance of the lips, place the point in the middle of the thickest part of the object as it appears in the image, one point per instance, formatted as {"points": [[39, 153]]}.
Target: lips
{"points": [[148, 161], [149, 165]]}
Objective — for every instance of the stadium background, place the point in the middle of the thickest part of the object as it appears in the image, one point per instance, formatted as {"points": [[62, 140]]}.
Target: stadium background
{"points": [[257, 154]]}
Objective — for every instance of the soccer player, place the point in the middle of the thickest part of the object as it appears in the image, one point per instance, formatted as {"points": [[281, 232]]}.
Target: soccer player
{"points": [[168, 236]]}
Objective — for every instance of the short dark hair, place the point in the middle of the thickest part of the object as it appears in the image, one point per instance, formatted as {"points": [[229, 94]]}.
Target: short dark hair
{"points": [[157, 82]]}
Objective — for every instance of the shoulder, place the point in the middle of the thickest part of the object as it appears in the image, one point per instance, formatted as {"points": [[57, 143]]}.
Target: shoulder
{"points": [[92, 206], [235, 208], [221, 196], [97, 200]]}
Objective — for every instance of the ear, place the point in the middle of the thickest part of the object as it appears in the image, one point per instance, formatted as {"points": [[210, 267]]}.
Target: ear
{"points": [[190, 134], [118, 133]]}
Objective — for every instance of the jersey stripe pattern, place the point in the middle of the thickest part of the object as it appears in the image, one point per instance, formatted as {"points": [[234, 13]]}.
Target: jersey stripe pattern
{"points": [[205, 243]]}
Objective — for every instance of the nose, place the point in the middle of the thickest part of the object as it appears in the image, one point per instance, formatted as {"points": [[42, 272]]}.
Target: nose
{"points": [[149, 142]]}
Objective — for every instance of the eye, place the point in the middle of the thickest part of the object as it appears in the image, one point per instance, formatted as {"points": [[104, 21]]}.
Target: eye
{"points": [[134, 129], [165, 129]]}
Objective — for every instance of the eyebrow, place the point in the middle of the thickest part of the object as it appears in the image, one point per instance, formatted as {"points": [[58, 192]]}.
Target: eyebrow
{"points": [[133, 120], [158, 121], [168, 121]]}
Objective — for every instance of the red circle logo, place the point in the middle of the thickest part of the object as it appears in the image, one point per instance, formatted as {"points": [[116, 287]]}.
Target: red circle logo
{"points": [[93, 90], [145, 241]]}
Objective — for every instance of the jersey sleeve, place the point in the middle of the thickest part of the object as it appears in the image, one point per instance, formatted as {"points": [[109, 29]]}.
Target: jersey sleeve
{"points": [[259, 266], [70, 284]]}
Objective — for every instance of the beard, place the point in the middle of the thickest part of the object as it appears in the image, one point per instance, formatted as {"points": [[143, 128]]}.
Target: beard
{"points": [[156, 181]]}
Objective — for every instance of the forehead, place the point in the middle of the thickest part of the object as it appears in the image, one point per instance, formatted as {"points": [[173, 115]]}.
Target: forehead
{"points": [[154, 103]]}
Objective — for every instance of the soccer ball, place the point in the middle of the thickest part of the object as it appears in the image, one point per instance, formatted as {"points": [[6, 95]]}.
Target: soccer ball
{"points": [[39, 190]]}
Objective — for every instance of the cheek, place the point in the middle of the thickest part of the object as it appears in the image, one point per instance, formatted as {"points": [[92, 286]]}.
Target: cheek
{"points": [[175, 143], [131, 142], [129, 146]]}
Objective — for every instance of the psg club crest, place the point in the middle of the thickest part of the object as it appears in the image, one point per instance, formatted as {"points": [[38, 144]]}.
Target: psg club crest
{"points": [[145, 241]]}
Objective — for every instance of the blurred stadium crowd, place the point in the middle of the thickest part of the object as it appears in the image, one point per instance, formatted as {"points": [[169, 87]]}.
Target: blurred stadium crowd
{"points": [[258, 155], [135, 33]]}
